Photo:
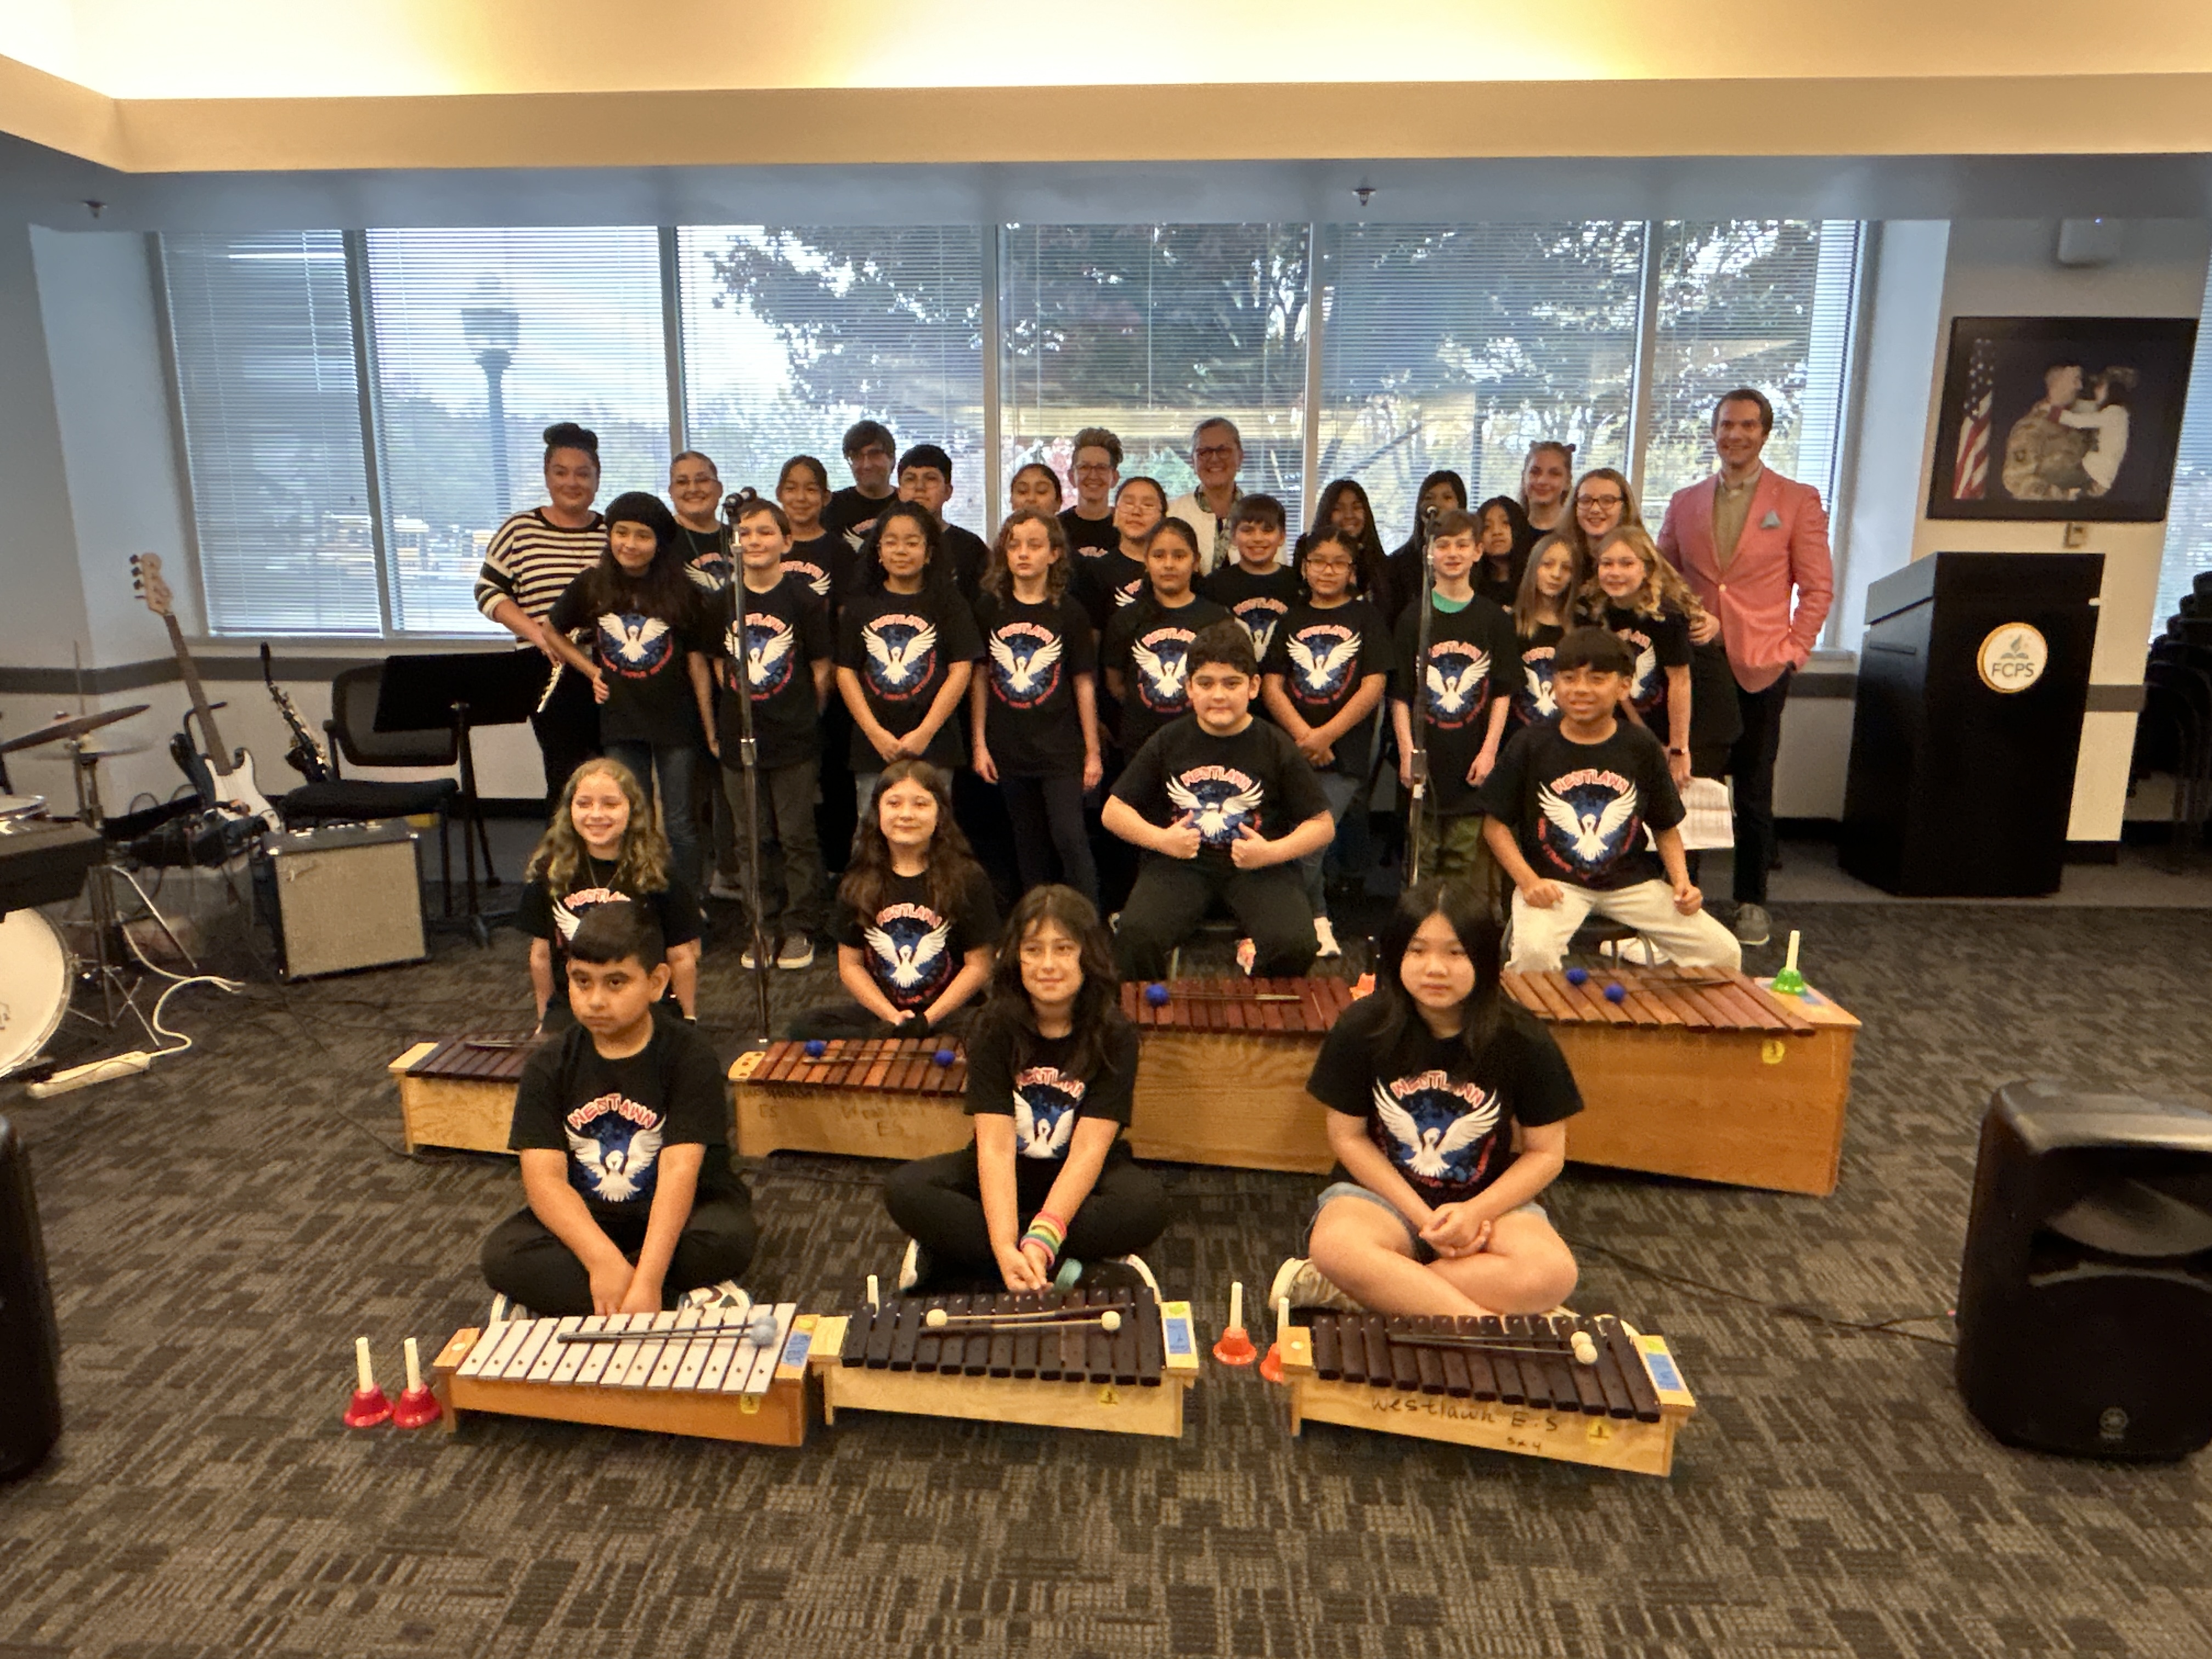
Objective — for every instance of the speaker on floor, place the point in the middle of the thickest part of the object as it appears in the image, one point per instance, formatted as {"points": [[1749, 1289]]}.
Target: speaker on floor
{"points": [[2085, 1300], [30, 1346], [341, 898]]}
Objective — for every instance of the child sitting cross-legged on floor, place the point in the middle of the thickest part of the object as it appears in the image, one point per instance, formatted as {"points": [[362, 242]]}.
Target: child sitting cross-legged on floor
{"points": [[1568, 806], [625, 1162], [1446, 1112]]}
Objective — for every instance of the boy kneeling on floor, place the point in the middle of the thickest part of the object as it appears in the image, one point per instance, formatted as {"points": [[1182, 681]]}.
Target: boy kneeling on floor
{"points": [[625, 1162]]}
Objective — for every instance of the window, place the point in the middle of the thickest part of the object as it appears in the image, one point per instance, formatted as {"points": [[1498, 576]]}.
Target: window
{"points": [[482, 339], [1147, 330], [1457, 346], [791, 336], [1765, 303], [271, 415], [2189, 513]]}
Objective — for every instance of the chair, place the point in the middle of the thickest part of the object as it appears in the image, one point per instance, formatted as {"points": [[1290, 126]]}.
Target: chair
{"points": [[352, 733]]}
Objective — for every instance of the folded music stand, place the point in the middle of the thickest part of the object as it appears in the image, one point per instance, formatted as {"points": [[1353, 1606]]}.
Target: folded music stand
{"points": [[462, 691]]}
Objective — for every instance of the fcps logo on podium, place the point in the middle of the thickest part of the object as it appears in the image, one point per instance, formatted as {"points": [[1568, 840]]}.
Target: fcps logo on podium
{"points": [[2013, 657]]}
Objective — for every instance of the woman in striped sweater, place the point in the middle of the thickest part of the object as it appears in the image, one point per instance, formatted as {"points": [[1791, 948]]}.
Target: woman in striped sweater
{"points": [[532, 558]]}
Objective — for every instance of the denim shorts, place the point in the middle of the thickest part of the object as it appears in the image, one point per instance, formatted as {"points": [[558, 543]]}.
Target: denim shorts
{"points": [[1422, 1252]]}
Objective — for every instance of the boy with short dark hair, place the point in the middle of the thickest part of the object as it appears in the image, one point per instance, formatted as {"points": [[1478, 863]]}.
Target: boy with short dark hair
{"points": [[1569, 803], [1224, 806], [925, 475], [869, 449], [625, 1164], [1460, 697], [1256, 590]]}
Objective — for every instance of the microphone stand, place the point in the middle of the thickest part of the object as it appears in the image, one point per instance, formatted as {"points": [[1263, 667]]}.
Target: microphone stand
{"points": [[1416, 763], [749, 768]]}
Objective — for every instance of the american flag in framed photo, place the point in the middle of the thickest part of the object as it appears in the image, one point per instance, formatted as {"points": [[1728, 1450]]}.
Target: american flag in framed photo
{"points": [[1970, 470]]}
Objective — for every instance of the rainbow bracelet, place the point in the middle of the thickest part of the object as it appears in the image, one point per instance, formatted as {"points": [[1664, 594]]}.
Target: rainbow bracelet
{"points": [[1046, 1229]]}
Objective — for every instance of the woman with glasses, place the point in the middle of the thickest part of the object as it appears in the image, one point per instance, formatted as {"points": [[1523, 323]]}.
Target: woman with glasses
{"points": [[1601, 503], [1094, 468]]}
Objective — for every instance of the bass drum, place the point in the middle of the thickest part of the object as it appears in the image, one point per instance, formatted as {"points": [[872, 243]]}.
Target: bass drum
{"points": [[35, 971]]}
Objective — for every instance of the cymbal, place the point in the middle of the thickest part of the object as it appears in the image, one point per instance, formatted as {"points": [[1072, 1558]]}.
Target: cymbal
{"points": [[74, 727]]}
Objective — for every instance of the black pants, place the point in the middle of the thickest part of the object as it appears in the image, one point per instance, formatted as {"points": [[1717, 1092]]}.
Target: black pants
{"points": [[846, 1017], [1750, 770], [523, 1259], [1172, 897], [567, 730], [940, 1202], [1048, 819], [793, 888]]}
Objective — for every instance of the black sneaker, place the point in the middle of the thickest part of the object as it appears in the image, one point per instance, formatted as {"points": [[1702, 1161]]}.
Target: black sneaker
{"points": [[1109, 1276]]}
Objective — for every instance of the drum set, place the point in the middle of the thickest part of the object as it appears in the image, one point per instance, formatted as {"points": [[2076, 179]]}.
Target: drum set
{"points": [[46, 860]]}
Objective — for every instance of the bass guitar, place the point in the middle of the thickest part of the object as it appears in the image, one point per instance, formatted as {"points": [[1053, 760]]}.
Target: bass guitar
{"points": [[230, 771]]}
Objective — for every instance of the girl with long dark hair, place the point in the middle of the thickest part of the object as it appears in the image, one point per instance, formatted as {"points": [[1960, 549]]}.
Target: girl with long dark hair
{"points": [[1440, 493], [1446, 1112], [1048, 1184]]}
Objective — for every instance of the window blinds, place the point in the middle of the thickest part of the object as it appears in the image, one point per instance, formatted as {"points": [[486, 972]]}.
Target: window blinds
{"points": [[1457, 346], [791, 336], [2189, 513], [567, 325], [271, 415], [1147, 330], [1764, 303]]}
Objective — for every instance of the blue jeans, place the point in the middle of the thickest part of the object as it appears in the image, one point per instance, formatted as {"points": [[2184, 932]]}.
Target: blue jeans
{"points": [[675, 774]]}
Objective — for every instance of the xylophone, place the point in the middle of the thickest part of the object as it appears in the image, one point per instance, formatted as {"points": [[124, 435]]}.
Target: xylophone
{"points": [[1223, 1077], [1583, 1390], [1116, 1360], [1698, 1072], [870, 1097], [719, 1374], [460, 1092]]}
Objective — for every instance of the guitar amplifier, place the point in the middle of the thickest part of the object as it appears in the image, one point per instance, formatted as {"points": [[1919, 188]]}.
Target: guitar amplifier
{"points": [[339, 899]]}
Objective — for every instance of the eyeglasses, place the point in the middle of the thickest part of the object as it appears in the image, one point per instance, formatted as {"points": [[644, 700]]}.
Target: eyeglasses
{"points": [[1094, 466], [1329, 564], [1214, 452], [1599, 500]]}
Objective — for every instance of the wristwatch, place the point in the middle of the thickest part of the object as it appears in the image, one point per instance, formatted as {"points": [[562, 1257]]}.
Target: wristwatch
{"points": [[1678, 751]]}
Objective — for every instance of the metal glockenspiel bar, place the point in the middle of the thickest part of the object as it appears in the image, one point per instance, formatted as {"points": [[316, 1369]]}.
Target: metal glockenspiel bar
{"points": [[711, 1350]]}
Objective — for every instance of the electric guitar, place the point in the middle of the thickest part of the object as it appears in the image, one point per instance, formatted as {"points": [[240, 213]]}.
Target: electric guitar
{"points": [[230, 771], [306, 756]]}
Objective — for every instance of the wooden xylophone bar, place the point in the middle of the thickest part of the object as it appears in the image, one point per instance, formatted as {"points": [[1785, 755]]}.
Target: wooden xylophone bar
{"points": [[1658, 997], [865, 1096], [459, 1092], [688, 1370], [1129, 1381], [1290, 1007], [489, 1057], [906, 1064]]}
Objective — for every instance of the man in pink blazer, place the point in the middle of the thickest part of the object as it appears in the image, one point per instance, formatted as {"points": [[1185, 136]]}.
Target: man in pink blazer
{"points": [[1755, 546]]}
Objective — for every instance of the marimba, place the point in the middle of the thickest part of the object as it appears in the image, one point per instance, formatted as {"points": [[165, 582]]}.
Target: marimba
{"points": [[460, 1092], [1701, 1074], [868, 1098], [711, 1373], [1222, 1079], [1513, 1384], [1045, 1358]]}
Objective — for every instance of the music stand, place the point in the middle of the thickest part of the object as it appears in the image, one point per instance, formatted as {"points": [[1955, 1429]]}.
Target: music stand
{"points": [[462, 689]]}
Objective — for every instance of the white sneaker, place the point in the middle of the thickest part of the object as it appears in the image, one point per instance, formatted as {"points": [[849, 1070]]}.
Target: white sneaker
{"points": [[504, 1308], [796, 952], [728, 1294], [910, 1265], [1325, 936], [1303, 1282], [722, 887], [1639, 952]]}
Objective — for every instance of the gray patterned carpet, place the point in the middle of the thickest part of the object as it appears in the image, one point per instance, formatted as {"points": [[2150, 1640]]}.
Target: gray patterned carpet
{"points": [[221, 1228]]}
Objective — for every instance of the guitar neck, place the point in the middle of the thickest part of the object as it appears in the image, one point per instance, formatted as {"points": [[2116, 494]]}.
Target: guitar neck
{"points": [[218, 751]]}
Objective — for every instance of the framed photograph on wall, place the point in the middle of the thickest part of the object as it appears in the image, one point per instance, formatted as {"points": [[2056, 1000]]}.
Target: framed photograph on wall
{"points": [[2061, 417]]}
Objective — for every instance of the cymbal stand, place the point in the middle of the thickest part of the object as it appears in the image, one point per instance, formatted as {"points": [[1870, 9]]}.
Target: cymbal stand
{"points": [[119, 988]]}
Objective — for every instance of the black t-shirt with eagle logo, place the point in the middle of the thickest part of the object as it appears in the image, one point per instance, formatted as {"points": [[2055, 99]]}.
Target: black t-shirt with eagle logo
{"points": [[1145, 644], [912, 950], [1445, 1123], [820, 562], [540, 914], [1044, 1098], [787, 632], [1031, 656], [1255, 777], [708, 558], [1473, 656], [1107, 580], [644, 660], [1324, 658], [1658, 643], [1259, 599], [614, 1118], [1580, 810], [902, 646], [1532, 699]]}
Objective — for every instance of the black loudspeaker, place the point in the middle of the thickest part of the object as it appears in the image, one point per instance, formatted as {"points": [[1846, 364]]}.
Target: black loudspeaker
{"points": [[2085, 1301], [30, 1346]]}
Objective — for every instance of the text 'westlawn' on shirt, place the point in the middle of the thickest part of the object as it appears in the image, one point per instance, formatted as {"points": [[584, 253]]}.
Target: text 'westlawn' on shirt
{"points": [[1580, 810], [1255, 778]]}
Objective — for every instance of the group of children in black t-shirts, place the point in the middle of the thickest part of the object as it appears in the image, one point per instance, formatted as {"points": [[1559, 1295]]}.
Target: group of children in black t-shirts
{"points": [[1542, 761]]}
